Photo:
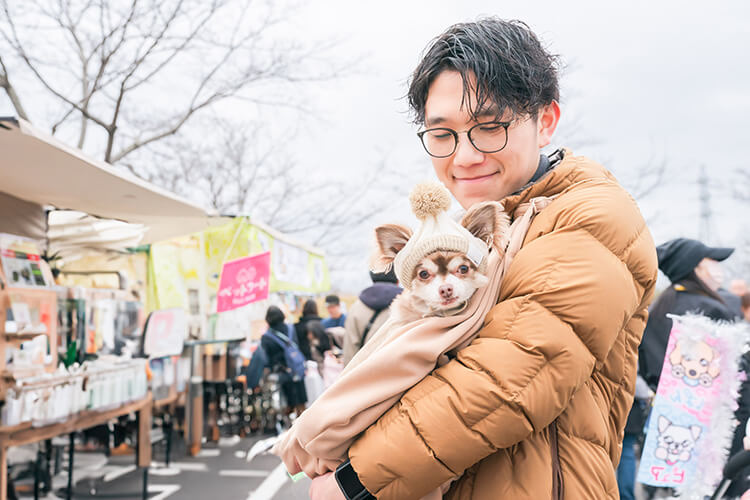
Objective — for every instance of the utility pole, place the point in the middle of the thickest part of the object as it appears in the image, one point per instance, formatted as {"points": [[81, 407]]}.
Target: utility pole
{"points": [[704, 229]]}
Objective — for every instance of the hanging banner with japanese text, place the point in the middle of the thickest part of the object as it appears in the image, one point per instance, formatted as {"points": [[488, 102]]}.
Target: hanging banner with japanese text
{"points": [[243, 281], [692, 420]]}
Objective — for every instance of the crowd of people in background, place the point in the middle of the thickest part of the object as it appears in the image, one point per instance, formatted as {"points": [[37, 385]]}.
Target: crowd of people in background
{"points": [[323, 345], [695, 274], [696, 277]]}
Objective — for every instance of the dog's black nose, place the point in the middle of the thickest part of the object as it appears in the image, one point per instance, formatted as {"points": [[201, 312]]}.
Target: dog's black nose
{"points": [[693, 373], [446, 291]]}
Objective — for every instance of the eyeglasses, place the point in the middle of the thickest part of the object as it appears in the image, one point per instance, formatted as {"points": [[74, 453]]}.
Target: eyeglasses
{"points": [[486, 137]]}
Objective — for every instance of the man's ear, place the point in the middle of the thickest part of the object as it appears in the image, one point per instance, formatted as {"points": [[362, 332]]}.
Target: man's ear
{"points": [[488, 222], [390, 239], [547, 120]]}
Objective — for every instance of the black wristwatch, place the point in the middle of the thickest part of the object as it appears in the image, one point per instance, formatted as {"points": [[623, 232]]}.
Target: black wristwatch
{"points": [[349, 482]]}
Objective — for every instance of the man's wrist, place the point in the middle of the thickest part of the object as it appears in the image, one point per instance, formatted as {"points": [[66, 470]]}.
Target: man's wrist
{"points": [[349, 483]]}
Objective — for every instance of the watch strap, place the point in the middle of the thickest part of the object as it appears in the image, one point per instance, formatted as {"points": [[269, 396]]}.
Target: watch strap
{"points": [[349, 483]]}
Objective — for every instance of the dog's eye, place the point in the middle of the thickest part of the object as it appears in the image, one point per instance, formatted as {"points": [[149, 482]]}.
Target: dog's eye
{"points": [[704, 362], [423, 274], [463, 269]]}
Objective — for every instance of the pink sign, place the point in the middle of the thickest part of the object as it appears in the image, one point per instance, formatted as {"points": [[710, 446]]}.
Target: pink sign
{"points": [[243, 281]]}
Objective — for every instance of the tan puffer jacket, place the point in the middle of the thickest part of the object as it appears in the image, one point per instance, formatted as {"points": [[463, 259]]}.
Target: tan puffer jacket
{"points": [[535, 407]]}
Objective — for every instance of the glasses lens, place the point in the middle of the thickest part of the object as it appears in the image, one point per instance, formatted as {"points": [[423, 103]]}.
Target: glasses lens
{"points": [[488, 137], [439, 142]]}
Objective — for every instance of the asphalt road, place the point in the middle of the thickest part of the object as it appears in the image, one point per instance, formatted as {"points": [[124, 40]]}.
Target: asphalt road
{"points": [[220, 471]]}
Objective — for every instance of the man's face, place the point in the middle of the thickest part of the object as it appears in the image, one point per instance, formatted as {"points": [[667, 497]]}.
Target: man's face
{"points": [[470, 175], [334, 310]]}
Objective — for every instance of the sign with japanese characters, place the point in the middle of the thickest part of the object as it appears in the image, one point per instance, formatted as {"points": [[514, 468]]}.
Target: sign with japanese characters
{"points": [[243, 281], [691, 421]]}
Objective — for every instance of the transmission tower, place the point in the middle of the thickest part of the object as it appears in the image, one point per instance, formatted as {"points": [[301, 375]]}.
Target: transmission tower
{"points": [[704, 229]]}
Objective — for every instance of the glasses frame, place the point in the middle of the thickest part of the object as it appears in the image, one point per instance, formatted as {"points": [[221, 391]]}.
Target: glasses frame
{"points": [[455, 133]]}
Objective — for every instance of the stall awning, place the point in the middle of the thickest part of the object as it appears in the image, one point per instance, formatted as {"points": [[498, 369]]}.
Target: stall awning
{"points": [[36, 167]]}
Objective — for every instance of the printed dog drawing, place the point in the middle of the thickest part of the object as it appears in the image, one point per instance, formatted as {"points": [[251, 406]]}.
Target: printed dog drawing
{"points": [[443, 281], [694, 362], [675, 442]]}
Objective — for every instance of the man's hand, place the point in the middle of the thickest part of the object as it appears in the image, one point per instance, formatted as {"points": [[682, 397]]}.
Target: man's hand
{"points": [[325, 487]]}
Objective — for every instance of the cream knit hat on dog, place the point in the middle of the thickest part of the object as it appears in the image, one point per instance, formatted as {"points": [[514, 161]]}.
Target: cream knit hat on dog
{"points": [[437, 231]]}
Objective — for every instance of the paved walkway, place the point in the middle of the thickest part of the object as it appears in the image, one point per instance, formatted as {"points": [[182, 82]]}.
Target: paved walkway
{"points": [[219, 472]]}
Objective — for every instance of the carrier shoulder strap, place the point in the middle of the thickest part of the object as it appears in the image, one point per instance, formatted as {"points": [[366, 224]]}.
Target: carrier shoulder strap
{"points": [[368, 327]]}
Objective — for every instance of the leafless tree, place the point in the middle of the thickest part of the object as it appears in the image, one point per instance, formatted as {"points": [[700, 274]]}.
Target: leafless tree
{"points": [[243, 170], [139, 71]]}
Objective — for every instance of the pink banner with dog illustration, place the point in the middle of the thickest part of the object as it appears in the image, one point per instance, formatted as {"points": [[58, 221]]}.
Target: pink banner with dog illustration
{"points": [[692, 419]]}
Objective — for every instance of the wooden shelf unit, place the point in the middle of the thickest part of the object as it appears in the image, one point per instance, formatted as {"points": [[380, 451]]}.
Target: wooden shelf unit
{"points": [[44, 301]]}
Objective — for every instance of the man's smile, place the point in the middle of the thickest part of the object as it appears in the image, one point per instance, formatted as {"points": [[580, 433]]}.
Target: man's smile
{"points": [[479, 178]]}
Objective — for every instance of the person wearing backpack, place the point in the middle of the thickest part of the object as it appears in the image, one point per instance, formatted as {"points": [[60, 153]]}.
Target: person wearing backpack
{"points": [[280, 344], [369, 312]]}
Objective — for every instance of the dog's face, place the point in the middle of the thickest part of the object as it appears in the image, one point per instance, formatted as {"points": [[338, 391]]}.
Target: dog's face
{"points": [[696, 359], [445, 280], [677, 441]]}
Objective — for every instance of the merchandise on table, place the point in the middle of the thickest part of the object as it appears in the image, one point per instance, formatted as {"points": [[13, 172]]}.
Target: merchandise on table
{"points": [[94, 386]]}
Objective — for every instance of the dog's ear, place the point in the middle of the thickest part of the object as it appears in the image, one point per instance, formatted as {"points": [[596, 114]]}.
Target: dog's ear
{"points": [[390, 239], [675, 357], [663, 423], [488, 222], [695, 430]]}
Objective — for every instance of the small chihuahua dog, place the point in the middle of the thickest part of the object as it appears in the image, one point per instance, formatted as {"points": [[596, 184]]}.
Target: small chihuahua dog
{"points": [[443, 281]]}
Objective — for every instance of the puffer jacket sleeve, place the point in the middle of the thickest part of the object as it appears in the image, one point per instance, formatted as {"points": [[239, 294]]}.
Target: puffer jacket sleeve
{"points": [[567, 296]]}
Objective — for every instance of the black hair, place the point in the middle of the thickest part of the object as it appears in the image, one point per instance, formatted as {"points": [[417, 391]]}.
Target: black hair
{"points": [[316, 328], [310, 308], [691, 284], [511, 68], [386, 277], [333, 300], [274, 316]]}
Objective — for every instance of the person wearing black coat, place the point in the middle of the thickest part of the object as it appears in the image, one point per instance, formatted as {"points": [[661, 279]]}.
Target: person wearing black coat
{"points": [[294, 391], [695, 275], [309, 313]]}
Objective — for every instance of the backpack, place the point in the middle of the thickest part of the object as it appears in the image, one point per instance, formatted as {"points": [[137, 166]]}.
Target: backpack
{"points": [[295, 360]]}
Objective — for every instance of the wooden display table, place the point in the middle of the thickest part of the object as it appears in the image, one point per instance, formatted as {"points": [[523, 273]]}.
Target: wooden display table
{"points": [[25, 434]]}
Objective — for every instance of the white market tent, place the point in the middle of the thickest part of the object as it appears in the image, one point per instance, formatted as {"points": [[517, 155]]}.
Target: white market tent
{"points": [[37, 168]]}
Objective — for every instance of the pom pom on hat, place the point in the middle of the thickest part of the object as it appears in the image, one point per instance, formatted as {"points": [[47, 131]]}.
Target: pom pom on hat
{"points": [[429, 199], [437, 231]]}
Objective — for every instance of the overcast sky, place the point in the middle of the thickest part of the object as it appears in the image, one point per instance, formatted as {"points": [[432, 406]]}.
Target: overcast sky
{"points": [[645, 82]]}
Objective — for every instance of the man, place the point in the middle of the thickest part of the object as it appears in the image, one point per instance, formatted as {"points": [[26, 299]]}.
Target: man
{"points": [[369, 312], [535, 406], [336, 318]]}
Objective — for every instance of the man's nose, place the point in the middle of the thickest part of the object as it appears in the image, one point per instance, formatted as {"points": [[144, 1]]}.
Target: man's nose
{"points": [[446, 291], [466, 154]]}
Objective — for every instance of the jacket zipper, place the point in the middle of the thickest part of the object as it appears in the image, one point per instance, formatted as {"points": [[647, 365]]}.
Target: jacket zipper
{"points": [[557, 477]]}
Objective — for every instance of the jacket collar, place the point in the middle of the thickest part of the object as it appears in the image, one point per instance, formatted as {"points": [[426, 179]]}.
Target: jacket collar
{"points": [[570, 170]]}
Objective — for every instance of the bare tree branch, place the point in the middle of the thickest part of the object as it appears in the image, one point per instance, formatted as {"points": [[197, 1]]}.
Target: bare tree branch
{"points": [[11, 91], [647, 178]]}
